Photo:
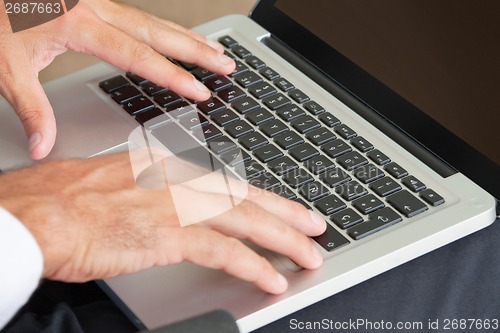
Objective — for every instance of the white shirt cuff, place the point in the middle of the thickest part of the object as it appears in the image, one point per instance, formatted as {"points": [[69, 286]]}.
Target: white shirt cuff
{"points": [[22, 265]]}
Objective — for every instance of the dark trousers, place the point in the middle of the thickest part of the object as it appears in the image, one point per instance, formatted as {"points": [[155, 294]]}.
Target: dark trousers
{"points": [[453, 289]]}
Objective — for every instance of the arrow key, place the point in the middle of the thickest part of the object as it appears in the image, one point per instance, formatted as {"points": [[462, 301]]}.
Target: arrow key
{"points": [[406, 203], [331, 239], [346, 218]]}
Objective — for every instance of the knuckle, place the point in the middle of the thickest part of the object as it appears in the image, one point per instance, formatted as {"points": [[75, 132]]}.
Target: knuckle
{"points": [[29, 115], [140, 53]]}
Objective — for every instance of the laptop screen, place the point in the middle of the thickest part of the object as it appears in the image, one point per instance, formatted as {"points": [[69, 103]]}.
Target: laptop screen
{"points": [[440, 56]]}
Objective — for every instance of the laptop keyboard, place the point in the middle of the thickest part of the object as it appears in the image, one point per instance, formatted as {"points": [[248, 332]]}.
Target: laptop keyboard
{"points": [[291, 145]]}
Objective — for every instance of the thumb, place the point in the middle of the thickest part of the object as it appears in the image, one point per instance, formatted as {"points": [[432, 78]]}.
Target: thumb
{"points": [[25, 94]]}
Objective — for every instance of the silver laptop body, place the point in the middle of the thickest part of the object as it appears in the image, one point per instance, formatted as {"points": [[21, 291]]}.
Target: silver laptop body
{"points": [[90, 123]]}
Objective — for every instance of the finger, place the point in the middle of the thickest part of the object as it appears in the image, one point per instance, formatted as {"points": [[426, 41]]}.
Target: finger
{"points": [[22, 89], [293, 213], [125, 52], [250, 221], [210, 249], [169, 39]]}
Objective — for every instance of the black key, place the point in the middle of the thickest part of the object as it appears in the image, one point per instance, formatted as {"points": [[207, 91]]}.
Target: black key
{"points": [[368, 173], [240, 51], [211, 105], [320, 136], [253, 141], [330, 204], [259, 116], [276, 101], [303, 152], [431, 197], [377, 221], [227, 41], [246, 79], [267, 153], [336, 148], [367, 204], [207, 133], [249, 169], [180, 110], [187, 66], [350, 190], [202, 74], [269, 73], [235, 157], [297, 177], [396, 170], [139, 80], [313, 191], [352, 160], [254, 62], [329, 120], [152, 89], [138, 105], [193, 121], [290, 112], [413, 184], [218, 82], [346, 218], [361, 144], [331, 239], [378, 157], [245, 104], [298, 96], [264, 181], [305, 124], [406, 203], [314, 108], [231, 94], [167, 98], [319, 164], [230, 55], [283, 84], [224, 117], [303, 203], [152, 118], [261, 90], [273, 128], [125, 94], [240, 68], [288, 140], [113, 84], [345, 131], [238, 128], [282, 165], [335, 177], [385, 186], [221, 145], [283, 191]]}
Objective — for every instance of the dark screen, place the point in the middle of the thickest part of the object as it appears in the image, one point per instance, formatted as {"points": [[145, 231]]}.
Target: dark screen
{"points": [[441, 56]]}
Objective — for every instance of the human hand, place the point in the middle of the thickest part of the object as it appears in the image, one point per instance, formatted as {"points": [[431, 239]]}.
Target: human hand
{"points": [[121, 35], [92, 221]]}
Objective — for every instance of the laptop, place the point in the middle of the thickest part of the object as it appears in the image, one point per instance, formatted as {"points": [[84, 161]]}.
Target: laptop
{"points": [[387, 109]]}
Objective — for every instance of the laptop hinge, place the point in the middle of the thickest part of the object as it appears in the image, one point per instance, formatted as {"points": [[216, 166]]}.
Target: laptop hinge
{"points": [[376, 119]]}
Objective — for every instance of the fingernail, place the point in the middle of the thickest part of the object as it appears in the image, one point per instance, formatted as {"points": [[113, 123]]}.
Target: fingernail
{"points": [[35, 140], [318, 220], [200, 86], [317, 255], [282, 281], [224, 59]]}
